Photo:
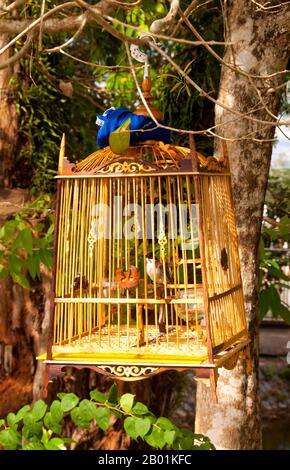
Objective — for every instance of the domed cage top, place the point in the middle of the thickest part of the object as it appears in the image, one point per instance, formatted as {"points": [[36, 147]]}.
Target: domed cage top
{"points": [[146, 266]]}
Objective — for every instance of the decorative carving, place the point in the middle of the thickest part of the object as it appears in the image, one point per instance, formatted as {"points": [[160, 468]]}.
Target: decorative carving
{"points": [[127, 167], [92, 238], [162, 241], [129, 371]]}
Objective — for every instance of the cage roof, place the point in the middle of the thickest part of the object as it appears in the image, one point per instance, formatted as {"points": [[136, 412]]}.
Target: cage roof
{"points": [[152, 154]]}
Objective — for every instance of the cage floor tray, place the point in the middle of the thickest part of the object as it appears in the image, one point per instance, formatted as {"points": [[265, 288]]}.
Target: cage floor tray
{"points": [[176, 342]]}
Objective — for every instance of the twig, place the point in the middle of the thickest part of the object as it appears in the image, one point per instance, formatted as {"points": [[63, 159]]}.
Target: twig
{"points": [[165, 37], [102, 66], [207, 95], [69, 41], [41, 25]]}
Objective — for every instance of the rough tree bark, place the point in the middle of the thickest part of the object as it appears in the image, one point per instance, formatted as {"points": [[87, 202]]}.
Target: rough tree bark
{"points": [[8, 121], [260, 48]]}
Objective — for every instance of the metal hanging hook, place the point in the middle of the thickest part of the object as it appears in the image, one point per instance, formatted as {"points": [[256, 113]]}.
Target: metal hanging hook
{"points": [[140, 56]]}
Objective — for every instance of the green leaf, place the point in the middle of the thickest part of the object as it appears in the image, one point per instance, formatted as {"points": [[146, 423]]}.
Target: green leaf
{"points": [[102, 416], [263, 303], [169, 437], [277, 273], [156, 439], [98, 396], [55, 444], [45, 257], [119, 140], [34, 445], [39, 410], [3, 273], [21, 280], [78, 419], [51, 424], [69, 401], [165, 424], [22, 412], [140, 409], [186, 443], [9, 228], [24, 240], [46, 434], [130, 428], [2, 422], [56, 411], [11, 419], [31, 428], [126, 402], [33, 265], [142, 426], [87, 410], [284, 312], [9, 439], [15, 264], [261, 249], [113, 394]]}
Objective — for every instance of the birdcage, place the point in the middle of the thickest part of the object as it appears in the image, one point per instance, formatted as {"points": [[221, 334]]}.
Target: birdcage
{"points": [[146, 273]]}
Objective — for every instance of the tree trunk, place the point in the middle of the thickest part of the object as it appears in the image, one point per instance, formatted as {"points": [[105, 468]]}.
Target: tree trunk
{"points": [[8, 119], [259, 48]]}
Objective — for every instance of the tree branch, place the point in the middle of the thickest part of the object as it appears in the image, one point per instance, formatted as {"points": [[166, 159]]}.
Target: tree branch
{"points": [[163, 24], [15, 4], [19, 54]]}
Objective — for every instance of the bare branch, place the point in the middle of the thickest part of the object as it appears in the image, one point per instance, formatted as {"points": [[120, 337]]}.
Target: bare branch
{"points": [[168, 38], [19, 54], [207, 95], [269, 8], [125, 5], [165, 23], [195, 5], [41, 25], [216, 56], [24, 26], [15, 4], [97, 15], [209, 131], [69, 41]]}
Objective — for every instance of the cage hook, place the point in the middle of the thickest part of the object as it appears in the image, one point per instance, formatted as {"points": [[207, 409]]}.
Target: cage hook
{"points": [[140, 56]]}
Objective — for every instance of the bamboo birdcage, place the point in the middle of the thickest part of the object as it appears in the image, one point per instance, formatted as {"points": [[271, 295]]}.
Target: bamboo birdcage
{"points": [[108, 313]]}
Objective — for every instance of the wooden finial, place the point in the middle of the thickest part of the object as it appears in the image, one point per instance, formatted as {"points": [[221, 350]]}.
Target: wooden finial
{"points": [[146, 89]]}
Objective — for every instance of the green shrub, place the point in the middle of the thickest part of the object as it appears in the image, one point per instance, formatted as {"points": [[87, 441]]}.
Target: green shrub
{"points": [[40, 427]]}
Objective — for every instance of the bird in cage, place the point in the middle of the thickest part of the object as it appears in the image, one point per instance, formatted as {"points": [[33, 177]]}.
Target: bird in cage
{"points": [[80, 282], [155, 270]]}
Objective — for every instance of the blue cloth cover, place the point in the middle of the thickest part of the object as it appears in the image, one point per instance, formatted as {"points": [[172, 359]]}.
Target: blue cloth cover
{"points": [[113, 118]]}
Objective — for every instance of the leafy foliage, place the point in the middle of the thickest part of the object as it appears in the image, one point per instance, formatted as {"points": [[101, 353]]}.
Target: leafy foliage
{"points": [[26, 242], [40, 427], [272, 255]]}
